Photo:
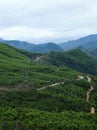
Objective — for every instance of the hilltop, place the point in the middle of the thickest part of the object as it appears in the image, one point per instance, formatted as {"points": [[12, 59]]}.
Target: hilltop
{"points": [[87, 44], [31, 47], [74, 59]]}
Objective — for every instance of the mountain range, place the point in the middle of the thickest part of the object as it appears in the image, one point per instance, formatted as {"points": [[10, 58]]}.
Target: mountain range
{"points": [[74, 59], [40, 48], [87, 44]]}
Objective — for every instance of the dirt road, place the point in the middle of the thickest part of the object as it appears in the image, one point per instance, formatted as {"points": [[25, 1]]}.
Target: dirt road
{"points": [[88, 94]]}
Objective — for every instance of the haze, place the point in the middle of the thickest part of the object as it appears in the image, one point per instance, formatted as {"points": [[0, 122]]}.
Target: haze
{"points": [[41, 21]]}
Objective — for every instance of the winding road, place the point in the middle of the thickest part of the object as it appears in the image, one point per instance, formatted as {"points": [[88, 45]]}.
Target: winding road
{"points": [[88, 94], [52, 85], [90, 89]]}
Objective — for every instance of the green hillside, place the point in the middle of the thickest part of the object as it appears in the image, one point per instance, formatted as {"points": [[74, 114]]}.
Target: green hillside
{"points": [[36, 96], [74, 59], [92, 53], [47, 47], [11, 65]]}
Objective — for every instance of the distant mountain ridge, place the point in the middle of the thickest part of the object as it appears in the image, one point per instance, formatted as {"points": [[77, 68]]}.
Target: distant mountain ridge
{"points": [[39, 48], [47, 47], [87, 44], [21, 44]]}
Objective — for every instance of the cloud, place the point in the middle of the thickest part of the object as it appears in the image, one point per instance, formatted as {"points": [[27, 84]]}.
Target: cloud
{"points": [[47, 20]]}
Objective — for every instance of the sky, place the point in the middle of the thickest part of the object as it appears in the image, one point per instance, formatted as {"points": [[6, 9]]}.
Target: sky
{"points": [[40, 21]]}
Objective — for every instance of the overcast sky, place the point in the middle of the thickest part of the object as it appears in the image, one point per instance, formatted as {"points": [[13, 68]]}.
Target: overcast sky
{"points": [[41, 21]]}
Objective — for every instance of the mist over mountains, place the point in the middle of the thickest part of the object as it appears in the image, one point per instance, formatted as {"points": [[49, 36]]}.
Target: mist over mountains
{"points": [[87, 44]]}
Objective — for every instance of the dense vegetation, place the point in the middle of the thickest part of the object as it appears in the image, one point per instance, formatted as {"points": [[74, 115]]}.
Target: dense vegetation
{"points": [[28, 119], [74, 59], [93, 53], [37, 96]]}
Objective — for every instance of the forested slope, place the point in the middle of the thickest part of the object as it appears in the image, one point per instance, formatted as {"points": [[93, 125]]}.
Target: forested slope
{"points": [[23, 105]]}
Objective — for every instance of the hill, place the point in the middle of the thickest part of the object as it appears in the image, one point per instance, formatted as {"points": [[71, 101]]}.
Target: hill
{"points": [[74, 59], [38, 96], [18, 63], [91, 49], [47, 47], [88, 42], [21, 44], [39, 48], [93, 53]]}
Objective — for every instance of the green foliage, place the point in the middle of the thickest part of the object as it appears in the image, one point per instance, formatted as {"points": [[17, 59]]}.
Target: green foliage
{"points": [[82, 83], [93, 53], [74, 59], [29, 119], [30, 101]]}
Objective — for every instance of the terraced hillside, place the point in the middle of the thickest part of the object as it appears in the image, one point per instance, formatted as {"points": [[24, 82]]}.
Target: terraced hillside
{"points": [[43, 97], [16, 68]]}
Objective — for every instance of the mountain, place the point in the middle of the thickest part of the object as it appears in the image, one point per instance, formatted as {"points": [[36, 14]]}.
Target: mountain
{"points": [[88, 42], [89, 46], [46, 47], [40, 48], [21, 44], [74, 59]]}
